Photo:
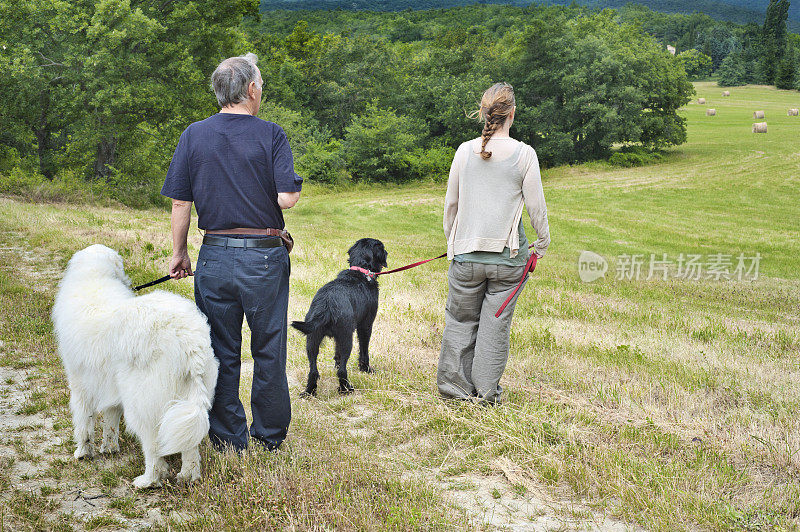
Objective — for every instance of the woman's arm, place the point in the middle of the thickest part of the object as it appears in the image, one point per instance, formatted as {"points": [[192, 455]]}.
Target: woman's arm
{"points": [[451, 197], [533, 195]]}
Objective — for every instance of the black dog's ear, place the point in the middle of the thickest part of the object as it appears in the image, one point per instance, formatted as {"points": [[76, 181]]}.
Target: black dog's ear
{"points": [[360, 254], [377, 254], [381, 254]]}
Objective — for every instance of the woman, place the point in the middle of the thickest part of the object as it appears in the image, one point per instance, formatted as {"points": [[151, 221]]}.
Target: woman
{"points": [[490, 178]]}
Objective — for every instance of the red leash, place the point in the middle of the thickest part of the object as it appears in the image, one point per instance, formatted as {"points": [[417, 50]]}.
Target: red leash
{"points": [[529, 267], [409, 266]]}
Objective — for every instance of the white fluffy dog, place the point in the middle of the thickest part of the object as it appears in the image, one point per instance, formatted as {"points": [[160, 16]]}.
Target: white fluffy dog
{"points": [[149, 357]]}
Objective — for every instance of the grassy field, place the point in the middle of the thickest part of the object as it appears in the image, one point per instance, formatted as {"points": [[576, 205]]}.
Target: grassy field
{"points": [[631, 403]]}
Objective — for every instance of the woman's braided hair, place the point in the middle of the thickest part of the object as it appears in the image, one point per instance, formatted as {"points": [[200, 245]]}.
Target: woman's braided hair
{"points": [[497, 104]]}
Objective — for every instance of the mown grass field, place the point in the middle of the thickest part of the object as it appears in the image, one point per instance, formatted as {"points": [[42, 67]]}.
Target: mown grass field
{"points": [[658, 404]]}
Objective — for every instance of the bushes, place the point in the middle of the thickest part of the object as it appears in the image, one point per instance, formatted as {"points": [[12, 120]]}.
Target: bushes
{"points": [[378, 145], [432, 163], [633, 156], [322, 162], [373, 161], [67, 186]]}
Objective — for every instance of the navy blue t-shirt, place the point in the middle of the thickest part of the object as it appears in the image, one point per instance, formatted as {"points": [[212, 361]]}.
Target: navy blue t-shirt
{"points": [[232, 167]]}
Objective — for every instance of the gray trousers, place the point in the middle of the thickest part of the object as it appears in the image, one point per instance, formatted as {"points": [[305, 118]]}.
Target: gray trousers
{"points": [[475, 344]]}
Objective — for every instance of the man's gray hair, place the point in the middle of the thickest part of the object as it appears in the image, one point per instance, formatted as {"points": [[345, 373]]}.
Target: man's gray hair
{"points": [[232, 78]]}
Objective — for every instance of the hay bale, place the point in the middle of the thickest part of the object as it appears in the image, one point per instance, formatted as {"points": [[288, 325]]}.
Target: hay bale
{"points": [[794, 112], [726, 93], [711, 112], [760, 127], [758, 114], [701, 101]]}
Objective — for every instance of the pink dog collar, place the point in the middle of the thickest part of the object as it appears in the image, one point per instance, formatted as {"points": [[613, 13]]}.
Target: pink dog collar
{"points": [[369, 274]]}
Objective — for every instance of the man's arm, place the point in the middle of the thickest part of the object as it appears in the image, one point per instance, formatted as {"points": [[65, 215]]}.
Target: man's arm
{"points": [[287, 181], [287, 200], [180, 265]]}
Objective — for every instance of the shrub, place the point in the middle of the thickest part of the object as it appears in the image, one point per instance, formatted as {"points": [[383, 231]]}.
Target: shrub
{"points": [[432, 163], [322, 162], [378, 146], [9, 158], [633, 156], [67, 185]]}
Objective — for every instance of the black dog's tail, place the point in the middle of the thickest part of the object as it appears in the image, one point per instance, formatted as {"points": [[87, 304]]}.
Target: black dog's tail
{"points": [[303, 326], [318, 318]]}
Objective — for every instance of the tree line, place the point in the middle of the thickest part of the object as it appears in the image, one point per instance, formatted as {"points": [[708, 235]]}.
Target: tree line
{"points": [[736, 54], [739, 11], [97, 91]]}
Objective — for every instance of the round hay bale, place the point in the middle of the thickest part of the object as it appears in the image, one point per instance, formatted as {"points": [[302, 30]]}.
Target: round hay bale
{"points": [[758, 114], [794, 112], [726, 93], [701, 101], [760, 127], [711, 112]]}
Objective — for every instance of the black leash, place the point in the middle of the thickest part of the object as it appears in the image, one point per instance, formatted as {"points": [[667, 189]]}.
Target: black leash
{"points": [[151, 283]]}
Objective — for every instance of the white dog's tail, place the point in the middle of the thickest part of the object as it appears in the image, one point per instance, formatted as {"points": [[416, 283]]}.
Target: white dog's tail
{"points": [[185, 422]]}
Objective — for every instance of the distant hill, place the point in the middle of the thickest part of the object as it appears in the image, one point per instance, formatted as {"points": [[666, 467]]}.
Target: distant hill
{"points": [[739, 11]]}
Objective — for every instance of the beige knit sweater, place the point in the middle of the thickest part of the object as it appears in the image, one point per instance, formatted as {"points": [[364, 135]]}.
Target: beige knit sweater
{"points": [[484, 200]]}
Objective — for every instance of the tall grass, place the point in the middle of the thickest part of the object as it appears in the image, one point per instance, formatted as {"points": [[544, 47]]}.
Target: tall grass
{"points": [[672, 404]]}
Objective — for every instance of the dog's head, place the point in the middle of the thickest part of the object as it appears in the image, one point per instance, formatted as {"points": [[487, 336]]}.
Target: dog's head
{"points": [[97, 262], [368, 253]]}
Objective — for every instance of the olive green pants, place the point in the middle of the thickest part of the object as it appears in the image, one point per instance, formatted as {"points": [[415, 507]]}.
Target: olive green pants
{"points": [[475, 344]]}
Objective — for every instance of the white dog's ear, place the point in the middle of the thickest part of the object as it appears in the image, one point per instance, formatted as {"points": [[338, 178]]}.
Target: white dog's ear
{"points": [[119, 268]]}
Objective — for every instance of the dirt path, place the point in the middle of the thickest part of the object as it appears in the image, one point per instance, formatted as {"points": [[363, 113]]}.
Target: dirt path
{"points": [[40, 478]]}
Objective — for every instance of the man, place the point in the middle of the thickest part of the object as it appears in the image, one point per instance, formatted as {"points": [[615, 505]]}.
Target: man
{"points": [[239, 172]]}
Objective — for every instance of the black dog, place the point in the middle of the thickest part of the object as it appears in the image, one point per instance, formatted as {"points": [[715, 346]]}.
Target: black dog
{"points": [[346, 304]]}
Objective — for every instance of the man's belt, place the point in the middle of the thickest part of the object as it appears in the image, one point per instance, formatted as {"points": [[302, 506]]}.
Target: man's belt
{"points": [[214, 240], [284, 235]]}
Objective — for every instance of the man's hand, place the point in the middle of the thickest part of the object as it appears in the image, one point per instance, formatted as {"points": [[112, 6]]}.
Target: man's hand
{"points": [[180, 266]]}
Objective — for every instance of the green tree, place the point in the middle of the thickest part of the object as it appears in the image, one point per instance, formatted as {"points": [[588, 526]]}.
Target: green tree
{"points": [[773, 39], [586, 84], [696, 64], [105, 86], [786, 75], [733, 71], [378, 146], [41, 46]]}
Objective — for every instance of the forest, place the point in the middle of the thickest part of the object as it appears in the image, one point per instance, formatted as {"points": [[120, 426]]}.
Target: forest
{"points": [[97, 93], [739, 11]]}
